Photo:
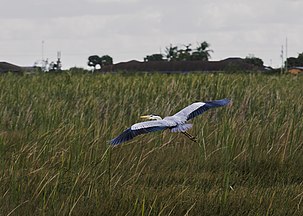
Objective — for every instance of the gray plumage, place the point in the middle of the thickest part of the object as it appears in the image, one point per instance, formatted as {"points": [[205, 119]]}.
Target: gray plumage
{"points": [[176, 123]]}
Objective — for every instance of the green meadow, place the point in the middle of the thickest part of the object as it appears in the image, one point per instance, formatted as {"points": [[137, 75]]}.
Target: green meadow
{"points": [[55, 158]]}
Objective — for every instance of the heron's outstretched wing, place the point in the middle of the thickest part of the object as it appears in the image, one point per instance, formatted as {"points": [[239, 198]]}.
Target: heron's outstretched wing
{"points": [[198, 108], [140, 128]]}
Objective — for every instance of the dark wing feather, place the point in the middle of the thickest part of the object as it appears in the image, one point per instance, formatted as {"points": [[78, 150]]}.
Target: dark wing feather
{"points": [[198, 108], [138, 129], [207, 106]]}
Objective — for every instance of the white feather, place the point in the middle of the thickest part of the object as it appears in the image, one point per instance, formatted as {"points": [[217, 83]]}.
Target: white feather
{"points": [[184, 113], [181, 128], [149, 124]]}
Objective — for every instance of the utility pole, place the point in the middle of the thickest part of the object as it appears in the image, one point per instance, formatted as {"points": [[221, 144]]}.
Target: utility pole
{"points": [[282, 59], [59, 65], [42, 50], [286, 65]]}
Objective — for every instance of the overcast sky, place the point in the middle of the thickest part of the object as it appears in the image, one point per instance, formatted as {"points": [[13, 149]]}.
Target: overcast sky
{"points": [[131, 29]]}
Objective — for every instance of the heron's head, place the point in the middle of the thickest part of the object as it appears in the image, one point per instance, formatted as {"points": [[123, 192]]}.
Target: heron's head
{"points": [[151, 117]]}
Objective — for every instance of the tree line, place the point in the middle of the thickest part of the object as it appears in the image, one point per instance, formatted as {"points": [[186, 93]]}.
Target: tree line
{"points": [[174, 53], [201, 52], [295, 61]]}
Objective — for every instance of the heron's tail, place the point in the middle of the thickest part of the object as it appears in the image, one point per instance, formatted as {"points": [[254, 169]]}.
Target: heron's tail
{"points": [[181, 128]]}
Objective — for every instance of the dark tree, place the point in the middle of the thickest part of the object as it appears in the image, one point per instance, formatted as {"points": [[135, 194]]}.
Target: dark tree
{"points": [[94, 60], [254, 61], [154, 57], [106, 60], [202, 52], [171, 53], [184, 54], [300, 58], [293, 61]]}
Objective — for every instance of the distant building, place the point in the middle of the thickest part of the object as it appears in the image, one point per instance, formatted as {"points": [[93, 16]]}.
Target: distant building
{"points": [[230, 64], [7, 67], [295, 70]]}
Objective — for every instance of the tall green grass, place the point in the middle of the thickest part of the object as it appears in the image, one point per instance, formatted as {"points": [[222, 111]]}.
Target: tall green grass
{"points": [[55, 158]]}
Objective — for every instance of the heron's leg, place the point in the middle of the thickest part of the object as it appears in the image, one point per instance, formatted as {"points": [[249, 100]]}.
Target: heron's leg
{"points": [[192, 138]]}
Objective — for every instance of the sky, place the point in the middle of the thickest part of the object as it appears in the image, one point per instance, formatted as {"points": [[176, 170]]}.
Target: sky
{"points": [[131, 29]]}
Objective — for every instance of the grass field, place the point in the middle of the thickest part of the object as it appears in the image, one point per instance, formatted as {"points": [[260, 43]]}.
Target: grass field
{"points": [[55, 158]]}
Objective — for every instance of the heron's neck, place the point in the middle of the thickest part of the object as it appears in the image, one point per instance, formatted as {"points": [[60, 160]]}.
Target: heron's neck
{"points": [[157, 118]]}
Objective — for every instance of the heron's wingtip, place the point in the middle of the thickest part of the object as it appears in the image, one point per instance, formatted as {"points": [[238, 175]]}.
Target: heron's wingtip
{"points": [[229, 101], [226, 100], [221, 102], [113, 142]]}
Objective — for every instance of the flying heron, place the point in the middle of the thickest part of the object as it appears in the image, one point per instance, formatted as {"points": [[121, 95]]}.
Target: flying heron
{"points": [[176, 123]]}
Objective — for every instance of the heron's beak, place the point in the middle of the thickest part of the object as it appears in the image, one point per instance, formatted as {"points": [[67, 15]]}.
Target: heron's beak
{"points": [[144, 117]]}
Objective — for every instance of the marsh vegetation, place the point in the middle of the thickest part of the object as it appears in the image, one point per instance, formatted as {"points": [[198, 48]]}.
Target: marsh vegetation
{"points": [[55, 158]]}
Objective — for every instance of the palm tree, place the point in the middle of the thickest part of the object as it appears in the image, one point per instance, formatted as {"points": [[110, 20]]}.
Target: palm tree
{"points": [[171, 53], [184, 54], [202, 52]]}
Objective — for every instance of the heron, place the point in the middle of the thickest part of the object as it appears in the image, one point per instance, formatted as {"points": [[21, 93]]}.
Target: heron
{"points": [[176, 122]]}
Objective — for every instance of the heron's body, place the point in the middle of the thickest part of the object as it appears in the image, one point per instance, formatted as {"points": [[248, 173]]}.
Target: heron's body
{"points": [[176, 123]]}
